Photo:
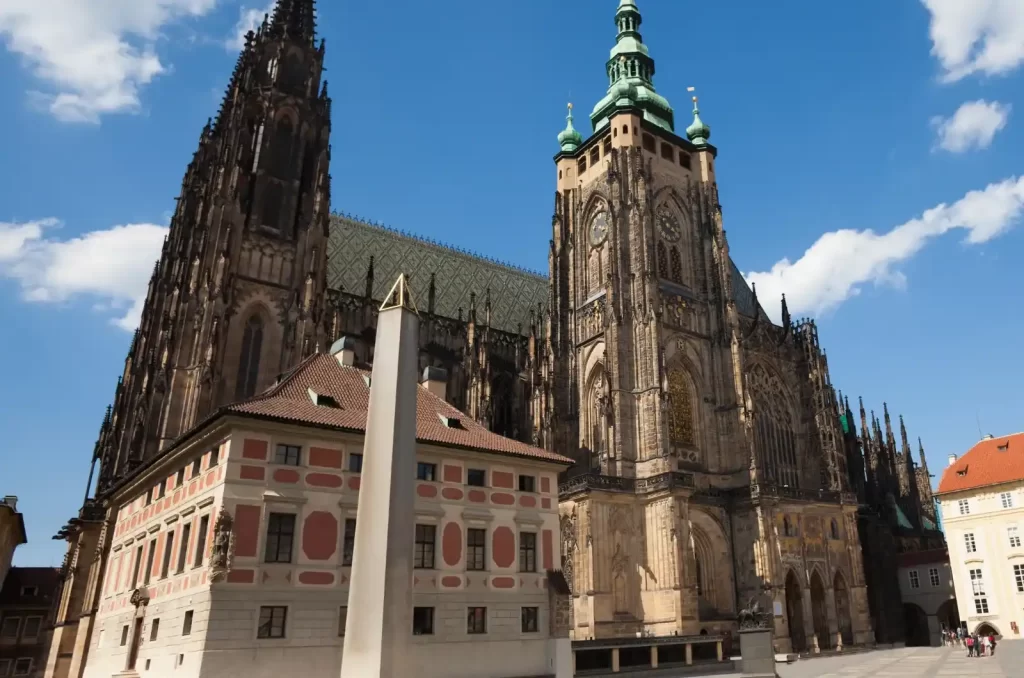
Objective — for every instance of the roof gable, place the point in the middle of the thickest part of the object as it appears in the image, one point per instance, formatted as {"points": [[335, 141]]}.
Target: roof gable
{"points": [[990, 462]]}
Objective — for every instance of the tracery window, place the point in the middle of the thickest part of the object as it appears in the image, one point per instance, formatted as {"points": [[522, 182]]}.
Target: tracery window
{"points": [[284, 135], [677, 266], [596, 424], [249, 363], [680, 414], [774, 436], [663, 270]]}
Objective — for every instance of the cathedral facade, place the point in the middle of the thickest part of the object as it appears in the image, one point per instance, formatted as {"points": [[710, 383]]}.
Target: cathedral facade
{"points": [[714, 461]]}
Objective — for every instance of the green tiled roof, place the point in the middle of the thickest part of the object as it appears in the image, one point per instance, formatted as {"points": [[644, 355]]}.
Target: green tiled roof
{"points": [[514, 291]]}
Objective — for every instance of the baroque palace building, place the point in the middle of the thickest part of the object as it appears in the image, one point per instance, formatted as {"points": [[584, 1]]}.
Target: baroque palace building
{"points": [[714, 462]]}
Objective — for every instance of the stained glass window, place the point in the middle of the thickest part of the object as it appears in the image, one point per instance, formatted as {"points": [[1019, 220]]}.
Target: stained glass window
{"points": [[249, 365]]}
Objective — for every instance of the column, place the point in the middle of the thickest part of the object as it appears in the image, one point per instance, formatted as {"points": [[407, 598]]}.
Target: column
{"points": [[718, 647], [615, 660], [654, 656], [689, 654], [379, 626]]}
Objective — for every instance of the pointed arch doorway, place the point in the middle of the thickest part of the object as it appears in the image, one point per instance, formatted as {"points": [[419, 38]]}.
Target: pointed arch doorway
{"points": [[795, 613], [819, 612], [842, 596]]}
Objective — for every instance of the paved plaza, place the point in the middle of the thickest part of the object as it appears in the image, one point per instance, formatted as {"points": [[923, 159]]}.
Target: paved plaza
{"points": [[913, 662]]}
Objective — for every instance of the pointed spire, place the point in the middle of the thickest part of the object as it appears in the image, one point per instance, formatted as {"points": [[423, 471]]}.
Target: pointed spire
{"points": [[369, 280], [785, 313], [924, 462], [903, 440], [569, 139], [431, 294], [295, 19]]}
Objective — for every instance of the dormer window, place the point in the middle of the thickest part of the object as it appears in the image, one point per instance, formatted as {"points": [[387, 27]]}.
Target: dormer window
{"points": [[450, 422], [323, 400]]}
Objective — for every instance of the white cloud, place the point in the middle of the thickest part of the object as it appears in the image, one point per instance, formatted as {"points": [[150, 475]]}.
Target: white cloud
{"points": [[249, 19], [93, 55], [835, 267], [112, 267], [976, 36], [974, 125]]}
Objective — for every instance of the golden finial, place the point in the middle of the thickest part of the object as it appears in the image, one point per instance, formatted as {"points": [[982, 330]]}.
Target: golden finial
{"points": [[692, 90], [570, 107]]}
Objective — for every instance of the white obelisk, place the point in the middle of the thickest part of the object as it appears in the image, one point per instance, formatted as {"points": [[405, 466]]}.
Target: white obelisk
{"points": [[378, 628]]}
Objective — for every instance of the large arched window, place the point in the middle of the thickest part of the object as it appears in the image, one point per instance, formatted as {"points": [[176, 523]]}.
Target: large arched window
{"points": [[284, 140], [249, 363], [677, 266], [663, 271], [595, 423], [681, 431], [774, 435]]}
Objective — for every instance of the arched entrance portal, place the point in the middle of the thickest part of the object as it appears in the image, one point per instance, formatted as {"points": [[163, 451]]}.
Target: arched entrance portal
{"points": [[948, 615], [915, 624], [795, 613], [842, 595], [819, 612], [986, 629]]}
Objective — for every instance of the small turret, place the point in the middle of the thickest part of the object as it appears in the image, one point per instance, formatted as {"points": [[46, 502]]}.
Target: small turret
{"points": [[698, 133], [569, 139]]}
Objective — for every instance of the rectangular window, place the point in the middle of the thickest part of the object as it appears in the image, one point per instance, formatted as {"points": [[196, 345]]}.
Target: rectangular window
{"points": [[204, 527], [136, 567], [179, 479], [342, 619], [426, 472], [186, 626], [581, 166], [969, 542], [595, 156], [684, 159], [149, 496], [476, 477], [977, 583], [423, 557], [214, 456], [527, 484], [476, 549], [1006, 499], [668, 152], [355, 463], [349, 541], [124, 635], [422, 621], [965, 508], [197, 466], [272, 621], [606, 145], [289, 455], [23, 666], [186, 532], [529, 620], [161, 489], [981, 605], [933, 576], [280, 538], [476, 620], [10, 627], [154, 629], [915, 580], [5, 667], [168, 554], [150, 557], [1018, 576], [1014, 536], [649, 144], [527, 552], [32, 626]]}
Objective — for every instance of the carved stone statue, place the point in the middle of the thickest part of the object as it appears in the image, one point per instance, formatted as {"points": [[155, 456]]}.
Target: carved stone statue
{"points": [[223, 546]]}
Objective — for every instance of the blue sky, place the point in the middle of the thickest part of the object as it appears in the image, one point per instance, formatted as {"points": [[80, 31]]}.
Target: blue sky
{"points": [[851, 138]]}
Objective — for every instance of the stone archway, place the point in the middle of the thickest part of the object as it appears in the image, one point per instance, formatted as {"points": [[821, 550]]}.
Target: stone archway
{"points": [[915, 624], [843, 617], [987, 629], [948, 614], [795, 613], [819, 611]]}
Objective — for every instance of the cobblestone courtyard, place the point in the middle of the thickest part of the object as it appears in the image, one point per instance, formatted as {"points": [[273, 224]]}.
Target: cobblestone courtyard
{"points": [[913, 662]]}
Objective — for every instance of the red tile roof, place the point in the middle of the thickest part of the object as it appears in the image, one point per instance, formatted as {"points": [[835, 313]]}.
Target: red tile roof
{"points": [[290, 401], [989, 462]]}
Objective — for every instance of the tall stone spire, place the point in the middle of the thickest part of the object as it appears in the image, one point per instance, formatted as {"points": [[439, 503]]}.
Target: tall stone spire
{"points": [[630, 71], [296, 19]]}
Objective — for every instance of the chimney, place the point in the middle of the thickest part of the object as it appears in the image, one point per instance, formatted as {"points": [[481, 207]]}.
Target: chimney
{"points": [[987, 436], [435, 380], [11, 501], [344, 350], [952, 459]]}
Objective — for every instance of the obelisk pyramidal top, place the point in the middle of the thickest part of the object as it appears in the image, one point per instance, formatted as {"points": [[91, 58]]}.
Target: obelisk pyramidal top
{"points": [[379, 624]]}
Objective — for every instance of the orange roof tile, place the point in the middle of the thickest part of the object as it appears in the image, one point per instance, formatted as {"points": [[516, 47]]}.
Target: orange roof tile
{"points": [[324, 375], [989, 462]]}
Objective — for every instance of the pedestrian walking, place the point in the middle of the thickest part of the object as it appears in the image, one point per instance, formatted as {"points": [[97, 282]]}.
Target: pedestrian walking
{"points": [[992, 643], [970, 646]]}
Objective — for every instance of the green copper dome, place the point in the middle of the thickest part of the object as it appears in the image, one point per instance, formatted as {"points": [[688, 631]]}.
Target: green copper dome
{"points": [[569, 139], [698, 132], [630, 71]]}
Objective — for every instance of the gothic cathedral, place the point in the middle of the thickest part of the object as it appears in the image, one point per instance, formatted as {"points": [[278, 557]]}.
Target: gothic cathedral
{"points": [[715, 463]]}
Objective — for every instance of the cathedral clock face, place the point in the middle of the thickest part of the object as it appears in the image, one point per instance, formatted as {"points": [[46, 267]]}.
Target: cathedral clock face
{"points": [[599, 229], [669, 227]]}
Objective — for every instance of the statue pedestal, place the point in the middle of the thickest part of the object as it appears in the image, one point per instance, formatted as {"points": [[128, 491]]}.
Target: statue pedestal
{"points": [[758, 653]]}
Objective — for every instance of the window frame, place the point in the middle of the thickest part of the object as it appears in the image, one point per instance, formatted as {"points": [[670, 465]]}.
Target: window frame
{"points": [[1018, 575], [168, 555], [528, 551], [469, 477], [147, 574], [425, 545], [355, 462], [527, 615], [5, 666], [476, 620], [186, 622], [179, 477], [481, 555], [269, 624], [201, 537], [286, 459], [970, 543], [1006, 500], [915, 579], [17, 628], [186, 535], [154, 629], [532, 484], [965, 507], [274, 539], [426, 472], [124, 635], [38, 619], [28, 669], [342, 620], [197, 468], [934, 577], [1013, 535], [419, 629], [348, 542]]}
